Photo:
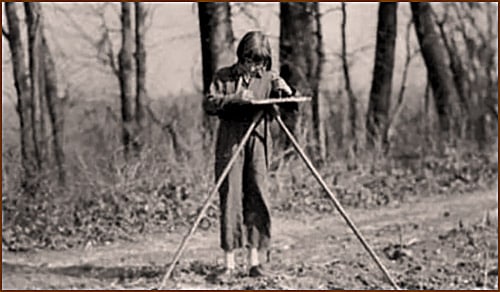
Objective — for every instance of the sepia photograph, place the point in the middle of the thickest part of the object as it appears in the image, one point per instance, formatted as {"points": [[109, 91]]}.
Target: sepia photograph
{"points": [[250, 145]]}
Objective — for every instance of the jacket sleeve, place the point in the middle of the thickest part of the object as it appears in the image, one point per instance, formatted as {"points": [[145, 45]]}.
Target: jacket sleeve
{"points": [[224, 104], [215, 99], [287, 107]]}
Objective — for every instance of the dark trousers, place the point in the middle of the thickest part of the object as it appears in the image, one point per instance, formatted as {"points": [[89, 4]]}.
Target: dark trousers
{"points": [[245, 217]]}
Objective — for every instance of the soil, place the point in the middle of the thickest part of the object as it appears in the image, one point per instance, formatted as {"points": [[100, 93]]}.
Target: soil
{"points": [[439, 242]]}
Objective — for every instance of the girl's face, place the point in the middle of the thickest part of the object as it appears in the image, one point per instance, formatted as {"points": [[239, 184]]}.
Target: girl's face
{"points": [[252, 67]]}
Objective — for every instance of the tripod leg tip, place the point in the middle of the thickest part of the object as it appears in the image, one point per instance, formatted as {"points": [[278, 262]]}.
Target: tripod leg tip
{"points": [[166, 285]]}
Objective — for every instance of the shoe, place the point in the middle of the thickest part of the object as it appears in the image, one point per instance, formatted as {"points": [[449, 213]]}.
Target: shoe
{"points": [[225, 275], [258, 271]]}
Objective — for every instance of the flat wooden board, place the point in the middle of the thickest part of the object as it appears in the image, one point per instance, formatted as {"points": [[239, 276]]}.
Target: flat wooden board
{"points": [[280, 100]]}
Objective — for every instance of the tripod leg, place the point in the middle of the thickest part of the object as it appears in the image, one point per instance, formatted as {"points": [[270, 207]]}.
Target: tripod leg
{"points": [[214, 190], [335, 201]]}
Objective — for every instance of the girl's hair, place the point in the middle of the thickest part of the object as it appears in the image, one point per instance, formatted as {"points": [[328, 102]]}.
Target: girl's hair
{"points": [[255, 46]]}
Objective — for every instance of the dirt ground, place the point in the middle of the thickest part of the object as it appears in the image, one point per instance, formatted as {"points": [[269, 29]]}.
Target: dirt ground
{"points": [[440, 242]]}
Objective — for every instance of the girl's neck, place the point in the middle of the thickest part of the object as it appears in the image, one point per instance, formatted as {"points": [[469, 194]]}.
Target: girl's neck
{"points": [[246, 77]]}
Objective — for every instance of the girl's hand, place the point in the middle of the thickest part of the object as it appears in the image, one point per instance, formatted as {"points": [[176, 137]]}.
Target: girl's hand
{"points": [[280, 84], [243, 95]]}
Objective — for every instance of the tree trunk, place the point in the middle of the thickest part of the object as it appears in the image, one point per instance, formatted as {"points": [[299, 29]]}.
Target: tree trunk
{"points": [[217, 50], [24, 102], [491, 73], [459, 73], [480, 66], [33, 21], [456, 67], [301, 57], [55, 109], [125, 76], [433, 52], [380, 95], [318, 55], [43, 143], [140, 57], [352, 112]]}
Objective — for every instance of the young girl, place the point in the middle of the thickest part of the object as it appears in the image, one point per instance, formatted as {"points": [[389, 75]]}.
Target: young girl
{"points": [[245, 217]]}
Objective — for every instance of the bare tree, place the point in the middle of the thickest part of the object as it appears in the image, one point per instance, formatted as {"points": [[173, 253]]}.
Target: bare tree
{"points": [[456, 65], [44, 92], [128, 65], [34, 24], [37, 100], [433, 52], [471, 50], [217, 50], [301, 59], [125, 76], [396, 109], [24, 103], [55, 106], [380, 95], [319, 55], [132, 52], [352, 112], [140, 58]]}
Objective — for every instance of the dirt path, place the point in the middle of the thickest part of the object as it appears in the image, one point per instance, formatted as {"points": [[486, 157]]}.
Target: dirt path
{"points": [[434, 243]]}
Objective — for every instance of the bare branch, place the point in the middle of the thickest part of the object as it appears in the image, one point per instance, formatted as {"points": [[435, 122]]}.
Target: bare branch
{"points": [[86, 36], [242, 8], [111, 113], [127, 126], [150, 12], [444, 19], [348, 88], [106, 45], [5, 34], [474, 25], [409, 57], [180, 146], [330, 10], [352, 54], [111, 57]]}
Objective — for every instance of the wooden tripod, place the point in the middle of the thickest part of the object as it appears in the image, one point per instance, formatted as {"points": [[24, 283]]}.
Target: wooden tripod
{"points": [[314, 172]]}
